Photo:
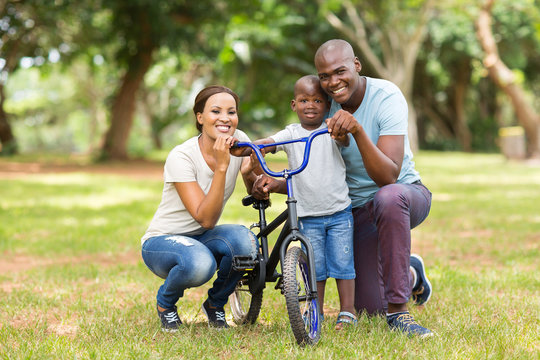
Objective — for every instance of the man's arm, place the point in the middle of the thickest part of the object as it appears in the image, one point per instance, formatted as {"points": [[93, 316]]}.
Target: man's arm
{"points": [[382, 160]]}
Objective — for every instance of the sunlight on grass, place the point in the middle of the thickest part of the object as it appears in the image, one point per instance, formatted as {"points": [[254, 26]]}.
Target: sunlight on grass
{"points": [[100, 201], [91, 201], [60, 179], [81, 190]]}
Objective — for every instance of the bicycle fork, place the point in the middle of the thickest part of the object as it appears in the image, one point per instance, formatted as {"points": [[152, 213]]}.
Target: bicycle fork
{"points": [[296, 235]]}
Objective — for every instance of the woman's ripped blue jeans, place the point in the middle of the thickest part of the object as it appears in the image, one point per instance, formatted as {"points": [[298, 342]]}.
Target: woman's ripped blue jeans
{"points": [[190, 261]]}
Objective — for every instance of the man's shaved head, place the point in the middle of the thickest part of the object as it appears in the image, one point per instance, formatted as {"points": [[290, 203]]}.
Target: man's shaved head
{"points": [[339, 73], [335, 46]]}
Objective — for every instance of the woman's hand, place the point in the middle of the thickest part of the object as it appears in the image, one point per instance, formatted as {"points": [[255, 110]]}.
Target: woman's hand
{"points": [[222, 153]]}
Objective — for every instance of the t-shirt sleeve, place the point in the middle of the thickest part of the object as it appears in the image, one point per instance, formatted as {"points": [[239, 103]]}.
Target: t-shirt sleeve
{"points": [[283, 135], [393, 115], [179, 167], [241, 136]]}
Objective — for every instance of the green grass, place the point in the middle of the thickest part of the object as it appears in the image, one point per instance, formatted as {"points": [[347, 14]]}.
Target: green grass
{"points": [[72, 284]]}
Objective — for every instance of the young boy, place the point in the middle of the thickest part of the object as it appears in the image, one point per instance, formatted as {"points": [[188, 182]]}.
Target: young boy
{"points": [[324, 207]]}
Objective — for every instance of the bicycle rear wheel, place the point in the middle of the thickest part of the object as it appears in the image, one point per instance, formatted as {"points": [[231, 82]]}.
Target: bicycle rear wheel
{"points": [[303, 311], [245, 306]]}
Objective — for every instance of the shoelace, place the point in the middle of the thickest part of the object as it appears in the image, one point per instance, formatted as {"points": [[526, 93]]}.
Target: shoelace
{"points": [[406, 319], [419, 291], [171, 317], [220, 315]]}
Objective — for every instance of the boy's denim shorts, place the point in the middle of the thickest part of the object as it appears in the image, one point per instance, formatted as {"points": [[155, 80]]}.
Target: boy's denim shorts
{"points": [[332, 239]]}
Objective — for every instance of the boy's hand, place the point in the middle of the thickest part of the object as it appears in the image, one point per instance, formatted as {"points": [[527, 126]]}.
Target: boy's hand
{"points": [[253, 163], [239, 151], [264, 185]]}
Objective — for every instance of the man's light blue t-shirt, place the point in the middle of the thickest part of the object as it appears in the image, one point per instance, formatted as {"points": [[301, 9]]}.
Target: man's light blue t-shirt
{"points": [[383, 111]]}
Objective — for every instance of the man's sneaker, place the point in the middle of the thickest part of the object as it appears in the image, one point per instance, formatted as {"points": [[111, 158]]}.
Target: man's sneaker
{"points": [[422, 291], [215, 315], [405, 323], [169, 320]]}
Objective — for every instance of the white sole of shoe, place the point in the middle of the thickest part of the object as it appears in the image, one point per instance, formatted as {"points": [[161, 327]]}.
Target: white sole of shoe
{"points": [[423, 276]]}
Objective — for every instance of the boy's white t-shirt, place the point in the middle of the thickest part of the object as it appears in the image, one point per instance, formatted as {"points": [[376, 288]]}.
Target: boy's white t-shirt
{"points": [[321, 188], [185, 163]]}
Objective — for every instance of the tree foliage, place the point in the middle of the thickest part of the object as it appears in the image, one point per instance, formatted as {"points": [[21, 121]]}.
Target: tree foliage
{"points": [[141, 62]]}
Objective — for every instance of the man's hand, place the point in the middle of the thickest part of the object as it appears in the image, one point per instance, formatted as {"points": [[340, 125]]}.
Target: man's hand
{"points": [[342, 123], [264, 185]]}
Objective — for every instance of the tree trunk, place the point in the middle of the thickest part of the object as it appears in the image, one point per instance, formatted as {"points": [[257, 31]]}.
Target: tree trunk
{"points": [[123, 107], [503, 77], [461, 129], [8, 145]]}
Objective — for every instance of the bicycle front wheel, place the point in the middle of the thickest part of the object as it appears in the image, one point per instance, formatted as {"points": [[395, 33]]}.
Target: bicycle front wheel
{"points": [[245, 306], [303, 311]]}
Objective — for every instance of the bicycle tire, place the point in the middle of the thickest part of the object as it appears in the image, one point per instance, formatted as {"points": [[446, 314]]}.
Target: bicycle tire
{"points": [[303, 312], [245, 306]]}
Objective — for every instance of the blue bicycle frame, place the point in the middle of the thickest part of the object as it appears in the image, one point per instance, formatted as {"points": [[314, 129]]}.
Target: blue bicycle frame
{"points": [[287, 174]]}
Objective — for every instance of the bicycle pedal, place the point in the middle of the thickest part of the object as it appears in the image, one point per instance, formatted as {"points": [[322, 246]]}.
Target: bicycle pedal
{"points": [[244, 263], [254, 225], [279, 285]]}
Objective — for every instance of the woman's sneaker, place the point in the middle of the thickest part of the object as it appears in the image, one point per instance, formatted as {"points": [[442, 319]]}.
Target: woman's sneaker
{"points": [[215, 315], [169, 320], [422, 291], [404, 322]]}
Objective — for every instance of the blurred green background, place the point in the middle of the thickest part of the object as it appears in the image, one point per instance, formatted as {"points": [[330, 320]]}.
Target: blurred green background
{"points": [[116, 79]]}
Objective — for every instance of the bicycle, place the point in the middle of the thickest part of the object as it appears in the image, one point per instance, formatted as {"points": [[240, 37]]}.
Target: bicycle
{"points": [[297, 282]]}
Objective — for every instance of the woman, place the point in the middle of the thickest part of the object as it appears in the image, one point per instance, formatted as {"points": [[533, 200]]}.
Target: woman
{"points": [[183, 245]]}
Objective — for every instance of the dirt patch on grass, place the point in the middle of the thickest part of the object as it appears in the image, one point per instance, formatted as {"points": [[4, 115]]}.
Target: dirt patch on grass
{"points": [[133, 169], [10, 263]]}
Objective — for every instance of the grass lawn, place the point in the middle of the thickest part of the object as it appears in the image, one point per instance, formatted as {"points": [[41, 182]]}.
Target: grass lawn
{"points": [[73, 285]]}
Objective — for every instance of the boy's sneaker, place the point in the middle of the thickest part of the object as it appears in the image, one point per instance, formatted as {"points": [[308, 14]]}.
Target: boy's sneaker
{"points": [[405, 323], [215, 315], [170, 321], [422, 291]]}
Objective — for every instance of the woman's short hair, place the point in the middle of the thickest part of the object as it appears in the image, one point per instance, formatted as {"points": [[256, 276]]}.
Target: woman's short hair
{"points": [[204, 94]]}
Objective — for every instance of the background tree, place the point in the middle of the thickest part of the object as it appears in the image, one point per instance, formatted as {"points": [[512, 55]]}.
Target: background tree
{"points": [[96, 64], [266, 49], [443, 77], [143, 27], [169, 91], [506, 80], [37, 33], [389, 35]]}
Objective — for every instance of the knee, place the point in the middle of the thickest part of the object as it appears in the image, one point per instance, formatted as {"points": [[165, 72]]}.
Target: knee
{"points": [[203, 267], [389, 196], [390, 202], [242, 240]]}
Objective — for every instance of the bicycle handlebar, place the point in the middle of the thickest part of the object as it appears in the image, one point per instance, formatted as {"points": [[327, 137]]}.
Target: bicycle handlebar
{"points": [[287, 172]]}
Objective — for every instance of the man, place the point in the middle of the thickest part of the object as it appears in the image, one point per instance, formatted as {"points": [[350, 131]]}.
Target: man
{"points": [[387, 195]]}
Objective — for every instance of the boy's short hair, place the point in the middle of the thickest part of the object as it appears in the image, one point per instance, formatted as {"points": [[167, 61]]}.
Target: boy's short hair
{"points": [[308, 78]]}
